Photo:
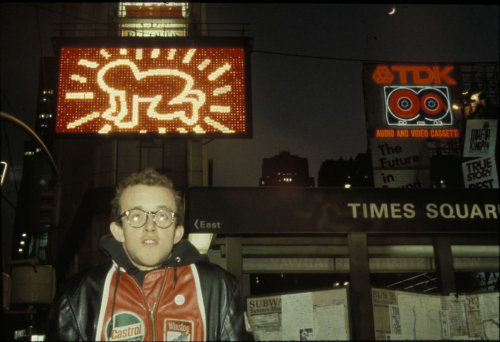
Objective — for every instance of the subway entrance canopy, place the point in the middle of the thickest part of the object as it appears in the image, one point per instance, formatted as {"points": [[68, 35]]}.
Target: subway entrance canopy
{"points": [[276, 210]]}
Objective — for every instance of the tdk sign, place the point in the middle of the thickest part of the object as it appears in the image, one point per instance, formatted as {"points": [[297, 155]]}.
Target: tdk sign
{"points": [[202, 224]]}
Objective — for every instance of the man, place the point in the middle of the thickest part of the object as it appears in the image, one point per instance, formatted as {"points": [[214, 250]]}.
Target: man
{"points": [[157, 287]]}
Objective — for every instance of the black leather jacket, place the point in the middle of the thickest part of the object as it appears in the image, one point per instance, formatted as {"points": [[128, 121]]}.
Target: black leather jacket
{"points": [[75, 313]]}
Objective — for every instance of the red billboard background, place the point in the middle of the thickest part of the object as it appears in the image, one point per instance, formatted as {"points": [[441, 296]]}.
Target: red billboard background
{"points": [[172, 91]]}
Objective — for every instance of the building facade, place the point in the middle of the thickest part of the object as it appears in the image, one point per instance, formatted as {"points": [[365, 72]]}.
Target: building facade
{"points": [[285, 169]]}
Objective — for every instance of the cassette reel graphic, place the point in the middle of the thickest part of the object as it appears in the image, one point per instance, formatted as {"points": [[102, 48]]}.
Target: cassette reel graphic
{"points": [[419, 106]]}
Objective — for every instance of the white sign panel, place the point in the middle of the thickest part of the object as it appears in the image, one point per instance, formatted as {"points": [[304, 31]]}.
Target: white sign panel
{"points": [[401, 178], [480, 173], [480, 138], [399, 154]]}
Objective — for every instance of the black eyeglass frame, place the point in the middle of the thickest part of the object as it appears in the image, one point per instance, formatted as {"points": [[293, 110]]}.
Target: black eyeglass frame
{"points": [[173, 215]]}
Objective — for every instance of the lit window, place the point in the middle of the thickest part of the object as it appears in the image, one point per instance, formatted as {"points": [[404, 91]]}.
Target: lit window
{"points": [[152, 10], [157, 30], [347, 186]]}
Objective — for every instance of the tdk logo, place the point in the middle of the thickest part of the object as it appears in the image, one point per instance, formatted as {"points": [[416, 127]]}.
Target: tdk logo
{"points": [[413, 74], [202, 224]]}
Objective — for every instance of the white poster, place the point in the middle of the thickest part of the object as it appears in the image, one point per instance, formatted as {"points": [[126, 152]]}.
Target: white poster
{"points": [[420, 317], [488, 303], [331, 320], [480, 173], [264, 316], [399, 154], [400, 315], [401, 179], [480, 138], [297, 317]]}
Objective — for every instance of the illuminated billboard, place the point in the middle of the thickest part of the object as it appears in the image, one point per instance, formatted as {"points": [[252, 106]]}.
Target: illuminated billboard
{"points": [[167, 86], [411, 101], [152, 10]]}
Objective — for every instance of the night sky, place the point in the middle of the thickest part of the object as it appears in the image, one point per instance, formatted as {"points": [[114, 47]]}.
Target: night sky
{"points": [[314, 107], [307, 59]]}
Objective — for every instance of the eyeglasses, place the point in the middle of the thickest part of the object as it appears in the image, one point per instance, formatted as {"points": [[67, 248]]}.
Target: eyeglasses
{"points": [[136, 218]]}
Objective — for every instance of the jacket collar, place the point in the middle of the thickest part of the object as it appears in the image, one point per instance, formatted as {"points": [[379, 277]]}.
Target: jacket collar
{"points": [[183, 253]]}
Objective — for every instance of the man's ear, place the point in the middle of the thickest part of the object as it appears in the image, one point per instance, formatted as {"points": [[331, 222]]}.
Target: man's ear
{"points": [[117, 231], [179, 232]]}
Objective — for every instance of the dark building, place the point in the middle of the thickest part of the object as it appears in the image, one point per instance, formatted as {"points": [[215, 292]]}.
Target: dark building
{"points": [[347, 173], [285, 169], [37, 203], [46, 106], [446, 172]]}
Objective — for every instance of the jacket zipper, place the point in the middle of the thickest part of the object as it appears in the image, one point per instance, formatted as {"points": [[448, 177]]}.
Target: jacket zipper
{"points": [[151, 310]]}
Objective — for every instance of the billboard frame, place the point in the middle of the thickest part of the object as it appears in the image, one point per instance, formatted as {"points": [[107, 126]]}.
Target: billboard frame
{"points": [[164, 42]]}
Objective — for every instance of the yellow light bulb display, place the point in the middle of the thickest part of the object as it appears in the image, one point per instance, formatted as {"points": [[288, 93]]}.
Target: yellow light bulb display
{"points": [[167, 91]]}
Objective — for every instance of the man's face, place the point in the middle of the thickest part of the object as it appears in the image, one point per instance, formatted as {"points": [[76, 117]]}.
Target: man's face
{"points": [[149, 246]]}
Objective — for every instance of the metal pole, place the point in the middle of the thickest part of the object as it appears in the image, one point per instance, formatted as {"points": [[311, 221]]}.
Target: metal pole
{"points": [[34, 135]]}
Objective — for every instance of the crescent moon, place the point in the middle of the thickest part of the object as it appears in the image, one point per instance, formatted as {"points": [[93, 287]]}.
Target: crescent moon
{"points": [[393, 10]]}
